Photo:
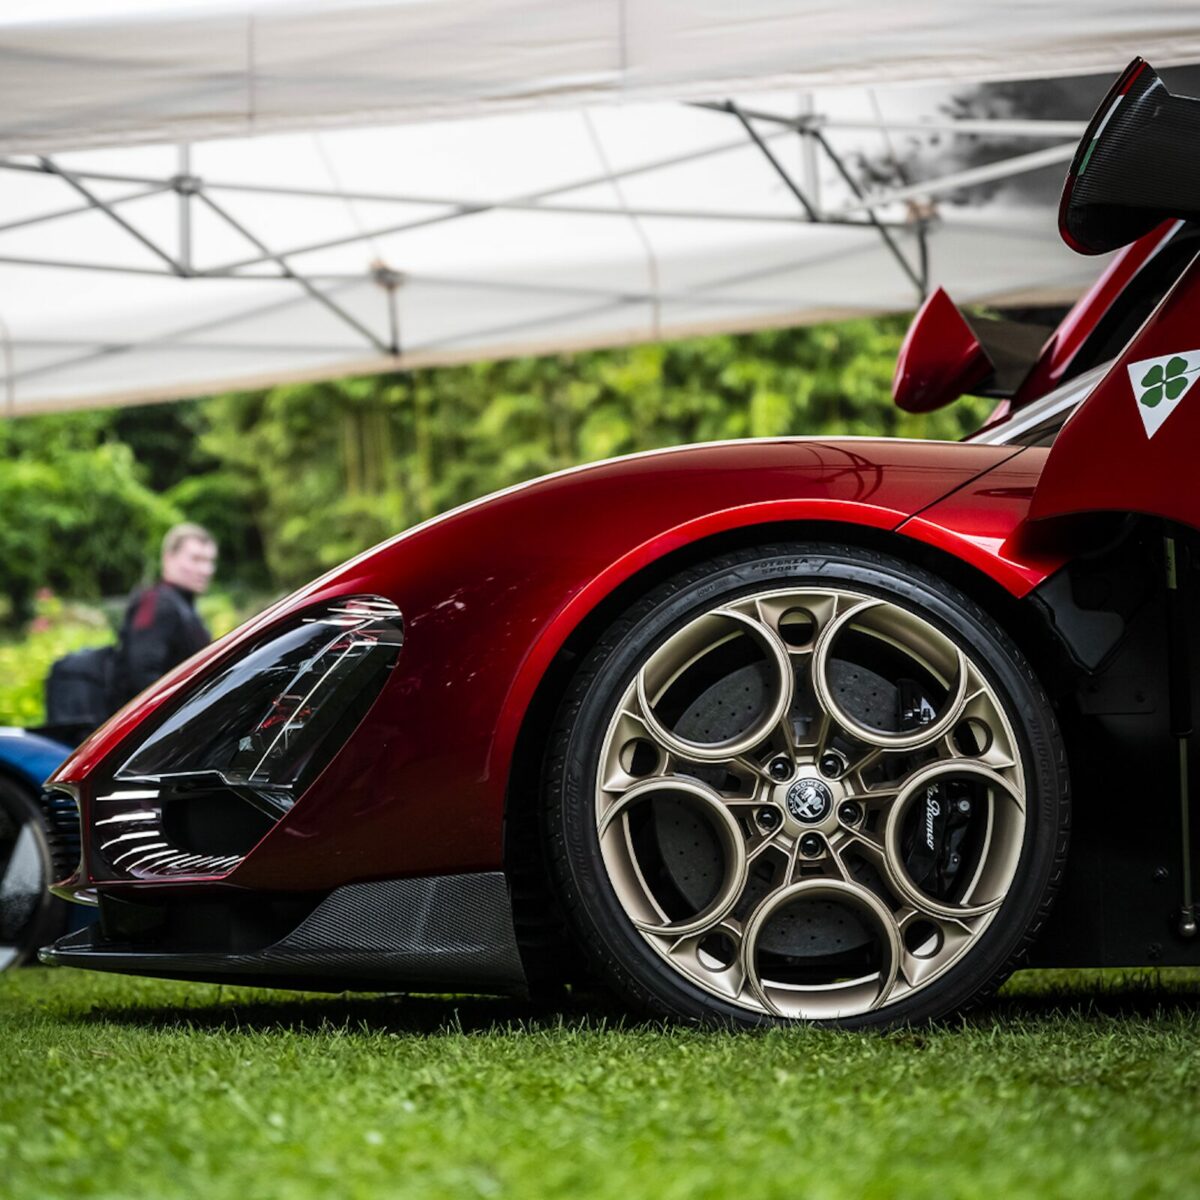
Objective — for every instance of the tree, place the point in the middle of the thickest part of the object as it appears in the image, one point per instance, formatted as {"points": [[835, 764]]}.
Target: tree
{"points": [[297, 478], [78, 521]]}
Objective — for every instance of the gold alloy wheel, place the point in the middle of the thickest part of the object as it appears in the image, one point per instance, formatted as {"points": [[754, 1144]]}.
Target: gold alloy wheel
{"points": [[810, 802]]}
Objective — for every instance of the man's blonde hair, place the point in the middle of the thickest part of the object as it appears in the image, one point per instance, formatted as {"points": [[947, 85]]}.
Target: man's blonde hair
{"points": [[178, 534]]}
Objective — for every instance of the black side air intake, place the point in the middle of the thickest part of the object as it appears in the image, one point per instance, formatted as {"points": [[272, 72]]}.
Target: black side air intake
{"points": [[60, 812]]}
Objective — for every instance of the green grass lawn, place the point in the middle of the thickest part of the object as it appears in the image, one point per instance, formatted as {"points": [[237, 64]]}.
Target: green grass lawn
{"points": [[1068, 1085]]}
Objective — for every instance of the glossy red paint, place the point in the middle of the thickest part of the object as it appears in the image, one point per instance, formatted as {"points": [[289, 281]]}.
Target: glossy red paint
{"points": [[985, 524], [1106, 458], [1077, 326], [940, 358], [490, 594]]}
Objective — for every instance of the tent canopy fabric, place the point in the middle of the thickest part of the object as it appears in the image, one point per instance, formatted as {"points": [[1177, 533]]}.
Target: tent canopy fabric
{"points": [[89, 74], [219, 196]]}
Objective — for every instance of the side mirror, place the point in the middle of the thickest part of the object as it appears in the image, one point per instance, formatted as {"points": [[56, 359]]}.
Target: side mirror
{"points": [[946, 354], [940, 358], [1135, 166]]}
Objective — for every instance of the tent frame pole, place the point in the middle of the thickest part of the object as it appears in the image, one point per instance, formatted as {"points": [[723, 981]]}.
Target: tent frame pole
{"points": [[95, 201]]}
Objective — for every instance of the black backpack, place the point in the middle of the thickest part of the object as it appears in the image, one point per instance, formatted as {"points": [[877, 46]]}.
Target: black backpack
{"points": [[85, 688], [79, 688]]}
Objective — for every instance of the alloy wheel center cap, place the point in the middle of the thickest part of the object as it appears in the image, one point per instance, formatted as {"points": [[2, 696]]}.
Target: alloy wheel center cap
{"points": [[809, 800]]}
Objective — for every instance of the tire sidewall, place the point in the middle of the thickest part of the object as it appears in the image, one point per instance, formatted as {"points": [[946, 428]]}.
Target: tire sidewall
{"points": [[50, 919]]}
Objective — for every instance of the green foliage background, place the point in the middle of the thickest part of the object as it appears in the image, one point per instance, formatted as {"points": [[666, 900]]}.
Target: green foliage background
{"points": [[295, 479], [1069, 1086]]}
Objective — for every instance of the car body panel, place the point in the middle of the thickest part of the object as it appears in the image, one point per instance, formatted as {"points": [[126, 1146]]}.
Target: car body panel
{"points": [[1065, 343], [942, 358], [1123, 449], [490, 595], [984, 524], [29, 757]]}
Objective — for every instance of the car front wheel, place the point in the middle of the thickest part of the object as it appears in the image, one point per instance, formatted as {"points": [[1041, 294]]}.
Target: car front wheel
{"points": [[807, 783]]}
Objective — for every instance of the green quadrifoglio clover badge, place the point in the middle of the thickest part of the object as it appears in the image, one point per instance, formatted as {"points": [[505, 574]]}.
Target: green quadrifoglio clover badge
{"points": [[1159, 382]]}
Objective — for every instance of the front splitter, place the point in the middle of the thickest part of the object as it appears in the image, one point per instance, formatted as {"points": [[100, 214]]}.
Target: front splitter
{"points": [[436, 933]]}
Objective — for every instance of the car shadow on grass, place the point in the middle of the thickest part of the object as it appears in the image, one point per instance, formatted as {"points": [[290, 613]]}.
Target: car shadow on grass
{"points": [[1031, 1000], [1048, 995], [396, 1014]]}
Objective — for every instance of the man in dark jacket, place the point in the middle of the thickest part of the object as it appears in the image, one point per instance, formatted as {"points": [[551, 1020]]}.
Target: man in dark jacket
{"points": [[161, 626]]}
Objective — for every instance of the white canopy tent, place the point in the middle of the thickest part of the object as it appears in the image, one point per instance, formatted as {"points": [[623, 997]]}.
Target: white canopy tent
{"points": [[218, 196]]}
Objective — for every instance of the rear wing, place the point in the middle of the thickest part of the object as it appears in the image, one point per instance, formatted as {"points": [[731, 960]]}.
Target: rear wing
{"points": [[1135, 166]]}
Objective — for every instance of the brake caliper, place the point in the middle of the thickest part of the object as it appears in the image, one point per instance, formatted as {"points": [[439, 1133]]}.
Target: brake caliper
{"points": [[933, 845], [933, 842]]}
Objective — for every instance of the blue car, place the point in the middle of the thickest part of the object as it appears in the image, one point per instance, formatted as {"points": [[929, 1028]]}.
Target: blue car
{"points": [[29, 915]]}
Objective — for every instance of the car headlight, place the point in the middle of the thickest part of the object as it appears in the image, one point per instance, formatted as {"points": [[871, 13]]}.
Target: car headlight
{"points": [[210, 780]]}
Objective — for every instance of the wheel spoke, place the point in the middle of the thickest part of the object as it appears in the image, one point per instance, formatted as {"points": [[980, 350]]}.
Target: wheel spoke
{"points": [[796, 618], [816, 741], [714, 956], [756, 769], [882, 853], [616, 845], [928, 942], [775, 841], [987, 889], [873, 797], [872, 849], [889, 623], [981, 733], [690, 648], [838, 843], [632, 752], [868, 758]]}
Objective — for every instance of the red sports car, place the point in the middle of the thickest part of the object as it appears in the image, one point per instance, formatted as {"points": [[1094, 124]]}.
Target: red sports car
{"points": [[751, 732]]}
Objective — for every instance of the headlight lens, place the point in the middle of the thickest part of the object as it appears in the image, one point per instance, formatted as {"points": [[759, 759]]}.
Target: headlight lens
{"points": [[260, 721], [232, 759]]}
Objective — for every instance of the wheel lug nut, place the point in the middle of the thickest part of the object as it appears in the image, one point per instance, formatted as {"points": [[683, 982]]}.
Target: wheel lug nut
{"points": [[964, 806], [810, 845], [849, 813], [831, 764], [780, 768], [768, 817]]}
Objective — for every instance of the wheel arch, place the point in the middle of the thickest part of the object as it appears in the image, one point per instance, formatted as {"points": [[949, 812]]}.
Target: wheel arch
{"points": [[540, 931]]}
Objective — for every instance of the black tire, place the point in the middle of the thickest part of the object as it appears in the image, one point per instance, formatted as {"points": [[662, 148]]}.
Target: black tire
{"points": [[35, 917], [620, 957]]}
